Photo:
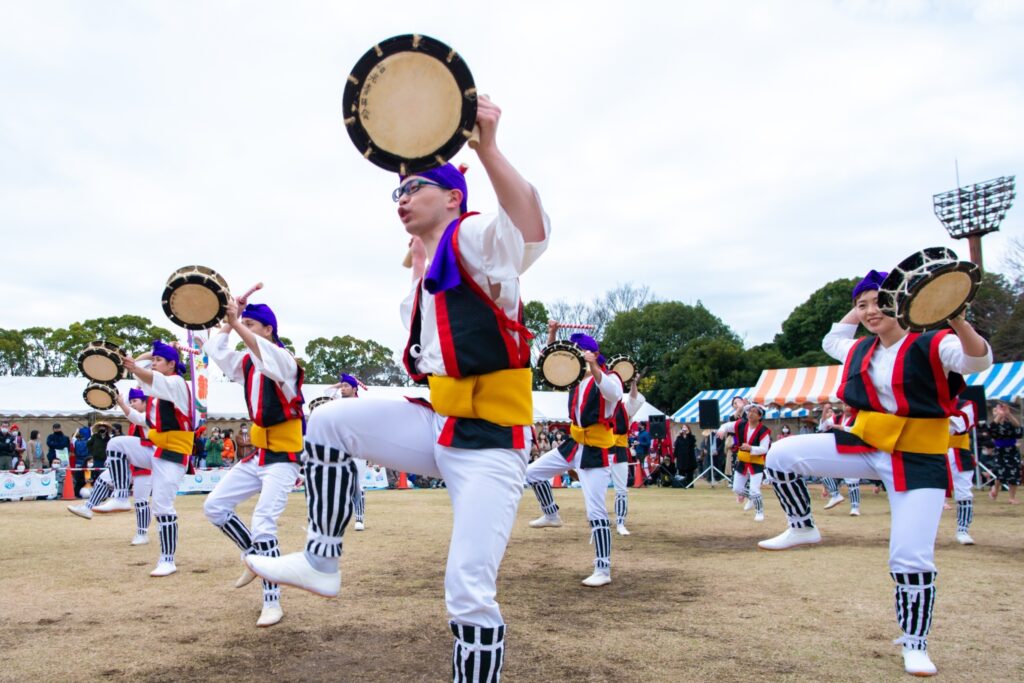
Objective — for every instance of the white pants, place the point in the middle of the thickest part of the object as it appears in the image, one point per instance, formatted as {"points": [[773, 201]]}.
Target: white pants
{"points": [[914, 514], [550, 465], [166, 478], [142, 485], [484, 486], [272, 482], [962, 481], [594, 481], [739, 482], [620, 475], [132, 448]]}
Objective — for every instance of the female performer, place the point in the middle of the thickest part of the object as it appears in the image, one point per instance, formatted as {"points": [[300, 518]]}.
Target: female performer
{"points": [[961, 467], [904, 388], [1005, 430], [752, 440]]}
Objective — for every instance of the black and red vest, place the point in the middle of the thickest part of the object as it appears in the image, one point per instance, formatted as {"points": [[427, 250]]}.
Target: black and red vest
{"points": [[919, 382], [476, 338], [620, 427], [590, 413], [964, 457], [164, 416], [136, 430], [272, 407]]}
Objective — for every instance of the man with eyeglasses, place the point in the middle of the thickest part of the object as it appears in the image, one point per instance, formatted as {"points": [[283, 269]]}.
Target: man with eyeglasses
{"points": [[468, 341]]}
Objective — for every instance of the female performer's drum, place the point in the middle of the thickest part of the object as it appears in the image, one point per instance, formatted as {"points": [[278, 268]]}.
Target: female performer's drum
{"points": [[928, 289], [623, 366], [102, 361], [409, 104], [561, 365], [196, 297], [100, 395], [317, 402]]}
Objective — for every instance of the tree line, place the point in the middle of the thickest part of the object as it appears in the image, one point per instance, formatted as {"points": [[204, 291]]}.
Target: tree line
{"points": [[680, 348]]}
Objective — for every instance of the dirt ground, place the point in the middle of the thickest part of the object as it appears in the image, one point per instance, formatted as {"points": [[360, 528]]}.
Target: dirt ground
{"points": [[693, 599]]}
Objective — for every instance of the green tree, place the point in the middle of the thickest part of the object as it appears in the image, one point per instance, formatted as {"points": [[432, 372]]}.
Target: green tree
{"points": [[993, 305], [805, 327], [133, 333], [369, 361], [14, 355], [704, 363], [1008, 341]]}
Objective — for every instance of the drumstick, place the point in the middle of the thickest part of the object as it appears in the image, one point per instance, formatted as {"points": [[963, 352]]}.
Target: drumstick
{"points": [[576, 326], [185, 349], [242, 299]]}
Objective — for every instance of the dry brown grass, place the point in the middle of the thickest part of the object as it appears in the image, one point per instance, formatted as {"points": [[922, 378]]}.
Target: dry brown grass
{"points": [[692, 599]]}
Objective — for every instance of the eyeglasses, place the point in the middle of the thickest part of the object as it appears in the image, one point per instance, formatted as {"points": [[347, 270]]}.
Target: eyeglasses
{"points": [[411, 188]]}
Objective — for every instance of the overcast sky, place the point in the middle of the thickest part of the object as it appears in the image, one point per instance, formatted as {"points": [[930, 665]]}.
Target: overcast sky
{"points": [[741, 153]]}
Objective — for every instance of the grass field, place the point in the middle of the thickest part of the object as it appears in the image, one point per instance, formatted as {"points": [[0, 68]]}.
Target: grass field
{"points": [[693, 599]]}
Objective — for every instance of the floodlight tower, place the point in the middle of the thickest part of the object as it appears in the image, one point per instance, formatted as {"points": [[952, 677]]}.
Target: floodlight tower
{"points": [[975, 210]]}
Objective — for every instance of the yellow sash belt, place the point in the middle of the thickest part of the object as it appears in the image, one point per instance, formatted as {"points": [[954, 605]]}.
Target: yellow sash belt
{"points": [[962, 441], [595, 435], [285, 437], [176, 441], [747, 456], [622, 440], [890, 433], [503, 397]]}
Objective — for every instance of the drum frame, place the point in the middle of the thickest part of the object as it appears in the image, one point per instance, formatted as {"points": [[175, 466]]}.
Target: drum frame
{"points": [[317, 402], [615, 360], [361, 77], [899, 289], [100, 385], [567, 347], [94, 349], [200, 276]]}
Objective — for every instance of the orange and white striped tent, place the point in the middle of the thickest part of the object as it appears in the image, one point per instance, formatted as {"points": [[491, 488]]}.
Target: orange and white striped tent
{"points": [[787, 387]]}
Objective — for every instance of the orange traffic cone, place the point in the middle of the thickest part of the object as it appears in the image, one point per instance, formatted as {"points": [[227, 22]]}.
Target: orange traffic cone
{"points": [[403, 482], [69, 485], [638, 476], [556, 482]]}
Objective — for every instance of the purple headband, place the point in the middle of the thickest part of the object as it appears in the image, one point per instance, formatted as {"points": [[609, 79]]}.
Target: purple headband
{"points": [[168, 352], [448, 177], [262, 314], [136, 394], [587, 343], [873, 280], [350, 380]]}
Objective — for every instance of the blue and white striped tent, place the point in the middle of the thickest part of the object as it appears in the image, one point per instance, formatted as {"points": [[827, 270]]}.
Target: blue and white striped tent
{"points": [[1002, 381], [690, 411]]}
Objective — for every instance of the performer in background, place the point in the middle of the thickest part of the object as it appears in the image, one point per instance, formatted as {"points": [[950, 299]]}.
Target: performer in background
{"points": [[621, 419], [841, 420], [739, 411], [903, 386], [272, 384], [467, 339], [752, 438], [348, 387], [1005, 431], [961, 467]]}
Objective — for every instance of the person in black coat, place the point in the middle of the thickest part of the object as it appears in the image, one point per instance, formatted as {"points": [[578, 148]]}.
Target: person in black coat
{"points": [[685, 452]]}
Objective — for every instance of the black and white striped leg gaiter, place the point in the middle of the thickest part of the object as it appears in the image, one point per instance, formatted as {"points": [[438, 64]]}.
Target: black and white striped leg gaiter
{"points": [[100, 492], [360, 505], [854, 490], [621, 508], [794, 498], [831, 485], [758, 503], [142, 516], [478, 654], [331, 485], [546, 498], [964, 515], [237, 531], [168, 525], [120, 475], [601, 537], [271, 591], [915, 600]]}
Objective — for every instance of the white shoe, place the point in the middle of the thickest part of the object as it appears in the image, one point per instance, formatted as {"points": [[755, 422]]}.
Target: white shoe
{"points": [[749, 504], [141, 539], [113, 505], [598, 578], [270, 615], [164, 569], [544, 521], [246, 578], [759, 517], [918, 663], [791, 538], [294, 570], [621, 528], [80, 510], [855, 512], [834, 500], [964, 538], [359, 526]]}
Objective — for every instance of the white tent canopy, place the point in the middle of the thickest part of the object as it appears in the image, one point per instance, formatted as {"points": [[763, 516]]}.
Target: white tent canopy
{"points": [[62, 396]]}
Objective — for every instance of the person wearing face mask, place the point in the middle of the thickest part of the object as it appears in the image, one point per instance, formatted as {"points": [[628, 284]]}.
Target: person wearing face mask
{"points": [[904, 387], [685, 452], [8, 454]]}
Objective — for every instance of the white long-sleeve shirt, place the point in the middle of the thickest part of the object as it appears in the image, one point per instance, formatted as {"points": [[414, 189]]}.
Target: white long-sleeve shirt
{"points": [[494, 254], [840, 339], [755, 449], [171, 388], [610, 387], [275, 362]]}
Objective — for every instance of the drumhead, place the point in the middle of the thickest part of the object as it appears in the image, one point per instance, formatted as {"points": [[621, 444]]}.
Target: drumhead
{"points": [[938, 300], [195, 298], [410, 104], [100, 396], [622, 366], [929, 288], [561, 365], [99, 366]]}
